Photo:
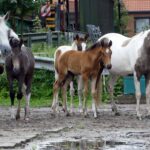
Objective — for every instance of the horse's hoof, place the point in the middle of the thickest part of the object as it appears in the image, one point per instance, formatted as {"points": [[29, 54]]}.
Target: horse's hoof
{"points": [[17, 117], [26, 119], [68, 114], [117, 114], [139, 117], [147, 116], [86, 115]]}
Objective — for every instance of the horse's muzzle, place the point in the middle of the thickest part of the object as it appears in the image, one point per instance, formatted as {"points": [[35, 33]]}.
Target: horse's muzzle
{"points": [[16, 71], [109, 66]]}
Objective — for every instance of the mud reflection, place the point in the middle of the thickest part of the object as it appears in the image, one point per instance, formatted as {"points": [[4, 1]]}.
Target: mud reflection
{"points": [[74, 145], [91, 145]]}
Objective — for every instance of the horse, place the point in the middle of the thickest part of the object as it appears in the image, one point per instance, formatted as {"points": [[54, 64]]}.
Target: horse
{"points": [[19, 65], [129, 55], [79, 43], [89, 64], [5, 33]]}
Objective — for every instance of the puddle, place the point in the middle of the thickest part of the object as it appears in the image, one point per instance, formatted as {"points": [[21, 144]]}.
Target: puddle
{"points": [[85, 144]]}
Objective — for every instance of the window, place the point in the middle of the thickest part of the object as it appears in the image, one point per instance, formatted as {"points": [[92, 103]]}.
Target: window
{"points": [[141, 24]]}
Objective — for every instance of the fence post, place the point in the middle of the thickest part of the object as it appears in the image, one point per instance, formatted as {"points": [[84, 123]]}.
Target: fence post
{"points": [[29, 41], [49, 38]]}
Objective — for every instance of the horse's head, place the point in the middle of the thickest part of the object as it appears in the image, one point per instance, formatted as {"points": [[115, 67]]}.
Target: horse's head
{"points": [[80, 43], [16, 50], [5, 34], [15, 45], [106, 52]]}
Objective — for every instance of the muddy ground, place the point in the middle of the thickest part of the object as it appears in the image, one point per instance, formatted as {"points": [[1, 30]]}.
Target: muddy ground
{"points": [[111, 132]]}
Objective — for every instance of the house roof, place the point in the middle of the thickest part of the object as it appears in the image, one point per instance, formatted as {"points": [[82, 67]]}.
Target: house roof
{"points": [[137, 5]]}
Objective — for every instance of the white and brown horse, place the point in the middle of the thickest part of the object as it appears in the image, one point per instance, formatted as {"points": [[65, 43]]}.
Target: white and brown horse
{"points": [[130, 56], [79, 44], [89, 64]]}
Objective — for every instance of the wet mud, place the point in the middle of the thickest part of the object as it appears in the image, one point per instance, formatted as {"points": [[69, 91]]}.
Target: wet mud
{"points": [[45, 132]]}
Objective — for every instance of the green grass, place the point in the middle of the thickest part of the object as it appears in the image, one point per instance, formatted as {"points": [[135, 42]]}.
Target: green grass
{"points": [[42, 49], [43, 84]]}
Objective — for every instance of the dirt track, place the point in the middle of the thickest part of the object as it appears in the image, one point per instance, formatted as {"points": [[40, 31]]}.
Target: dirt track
{"points": [[114, 132]]}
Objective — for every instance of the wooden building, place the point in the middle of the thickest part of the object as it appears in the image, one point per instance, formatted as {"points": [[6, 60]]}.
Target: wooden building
{"points": [[139, 15]]}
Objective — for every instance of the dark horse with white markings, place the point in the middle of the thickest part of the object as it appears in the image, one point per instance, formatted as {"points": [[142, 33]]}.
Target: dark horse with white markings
{"points": [[20, 66]]}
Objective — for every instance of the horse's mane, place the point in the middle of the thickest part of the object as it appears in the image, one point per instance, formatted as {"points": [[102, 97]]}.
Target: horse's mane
{"points": [[95, 45]]}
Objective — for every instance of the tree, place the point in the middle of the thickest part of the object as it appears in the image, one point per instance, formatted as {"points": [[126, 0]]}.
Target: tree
{"points": [[120, 17], [19, 8]]}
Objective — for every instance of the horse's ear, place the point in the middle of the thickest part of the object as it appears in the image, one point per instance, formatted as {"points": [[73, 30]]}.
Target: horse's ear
{"points": [[110, 43], [102, 42], [76, 37], [86, 37], [6, 16], [21, 42]]}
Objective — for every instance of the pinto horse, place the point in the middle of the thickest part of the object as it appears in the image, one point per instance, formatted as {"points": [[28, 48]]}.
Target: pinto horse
{"points": [[89, 64], [79, 44], [20, 66], [5, 47], [130, 56]]}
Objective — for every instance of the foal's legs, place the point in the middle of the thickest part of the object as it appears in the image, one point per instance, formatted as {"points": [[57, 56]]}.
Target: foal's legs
{"points": [[19, 96], [80, 87], [112, 81], [64, 94], [80, 92], [71, 95], [94, 96], [55, 100], [28, 83], [58, 83], [12, 97], [138, 95], [148, 94], [85, 94]]}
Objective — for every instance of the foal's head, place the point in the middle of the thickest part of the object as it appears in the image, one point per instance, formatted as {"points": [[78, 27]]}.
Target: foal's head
{"points": [[106, 52], [16, 50], [16, 45], [80, 42]]}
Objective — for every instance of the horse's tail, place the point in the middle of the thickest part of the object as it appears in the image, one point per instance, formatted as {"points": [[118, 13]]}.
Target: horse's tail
{"points": [[56, 58]]}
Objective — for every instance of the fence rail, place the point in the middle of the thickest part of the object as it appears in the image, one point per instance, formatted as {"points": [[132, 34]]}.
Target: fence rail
{"points": [[47, 37], [40, 63], [47, 63]]}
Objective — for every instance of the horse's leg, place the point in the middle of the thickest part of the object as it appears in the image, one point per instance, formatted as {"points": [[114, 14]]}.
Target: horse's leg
{"points": [[80, 92], [112, 81], [12, 97], [19, 96], [138, 95], [28, 82], [55, 103], [64, 94], [56, 86], [95, 99], [148, 94], [71, 95], [85, 94]]}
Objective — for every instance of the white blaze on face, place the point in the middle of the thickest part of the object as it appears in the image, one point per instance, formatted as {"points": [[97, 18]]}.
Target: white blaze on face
{"points": [[107, 51], [16, 63], [83, 46]]}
